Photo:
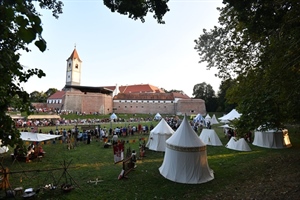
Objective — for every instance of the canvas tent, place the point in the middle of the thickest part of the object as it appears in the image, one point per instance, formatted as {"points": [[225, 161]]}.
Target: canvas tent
{"points": [[207, 118], [157, 116], [210, 137], [199, 118], [37, 137], [158, 136], [185, 159], [276, 139], [214, 120], [233, 114], [113, 116], [238, 144]]}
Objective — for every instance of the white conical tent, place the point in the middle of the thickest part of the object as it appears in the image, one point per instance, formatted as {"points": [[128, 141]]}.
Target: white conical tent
{"points": [[238, 144], [214, 120], [157, 116], [158, 136], [113, 116], [185, 159], [207, 118], [210, 137]]}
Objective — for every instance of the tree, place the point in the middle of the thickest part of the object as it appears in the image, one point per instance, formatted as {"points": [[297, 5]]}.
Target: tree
{"points": [[138, 9], [206, 92], [173, 90], [257, 46], [20, 25], [223, 105], [50, 91]]}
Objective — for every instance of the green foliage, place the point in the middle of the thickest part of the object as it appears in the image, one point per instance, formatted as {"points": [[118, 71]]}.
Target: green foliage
{"points": [[223, 104], [206, 92], [20, 25], [138, 9], [256, 46]]}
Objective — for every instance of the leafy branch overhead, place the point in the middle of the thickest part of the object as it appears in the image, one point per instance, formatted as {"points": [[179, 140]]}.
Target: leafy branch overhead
{"points": [[138, 9], [20, 25], [257, 47]]}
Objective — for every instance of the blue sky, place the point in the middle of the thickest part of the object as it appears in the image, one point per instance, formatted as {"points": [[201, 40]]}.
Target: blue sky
{"points": [[118, 50]]}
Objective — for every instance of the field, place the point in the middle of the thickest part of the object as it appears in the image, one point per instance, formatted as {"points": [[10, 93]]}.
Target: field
{"points": [[259, 174]]}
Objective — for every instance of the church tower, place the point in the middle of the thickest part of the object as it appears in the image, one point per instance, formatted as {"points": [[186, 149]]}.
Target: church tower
{"points": [[73, 75]]}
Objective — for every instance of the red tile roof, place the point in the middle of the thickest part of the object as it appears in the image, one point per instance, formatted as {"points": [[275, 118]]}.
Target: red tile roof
{"points": [[74, 55], [140, 88], [144, 96], [180, 95], [57, 95]]}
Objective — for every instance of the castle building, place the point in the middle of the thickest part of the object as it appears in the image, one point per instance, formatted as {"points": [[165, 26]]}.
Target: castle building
{"points": [[141, 98], [77, 98]]}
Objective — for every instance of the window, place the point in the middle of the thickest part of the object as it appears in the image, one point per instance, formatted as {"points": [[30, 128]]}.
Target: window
{"points": [[130, 106], [142, 106], [125, 106], [76, 66], [136, 106]]}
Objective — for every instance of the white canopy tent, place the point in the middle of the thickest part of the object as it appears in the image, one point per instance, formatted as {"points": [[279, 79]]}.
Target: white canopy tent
{"points": [[275, 139], [214, 120], [158, 136], [157, 116], [233, 114], [210, 137], [238, 144], [37, 137], [185, 159], [207, 118], [113, 116]]}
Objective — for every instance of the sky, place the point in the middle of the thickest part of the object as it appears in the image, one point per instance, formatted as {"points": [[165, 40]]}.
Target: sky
{"points": [[117, 50]]}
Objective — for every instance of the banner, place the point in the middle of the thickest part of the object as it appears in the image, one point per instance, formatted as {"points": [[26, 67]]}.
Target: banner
{"points": [[118, 152]]}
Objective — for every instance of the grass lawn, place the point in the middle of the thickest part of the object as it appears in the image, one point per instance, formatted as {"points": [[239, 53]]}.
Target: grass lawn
{"points": [[235, 172]]}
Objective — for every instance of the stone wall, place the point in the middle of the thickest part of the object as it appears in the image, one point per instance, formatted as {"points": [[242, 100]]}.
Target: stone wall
{"points": [[87, 102], [144, 107], [190, 106]]}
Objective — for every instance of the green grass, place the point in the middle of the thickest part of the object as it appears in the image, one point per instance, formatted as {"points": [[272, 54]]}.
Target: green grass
{"points": [[89, 162]]}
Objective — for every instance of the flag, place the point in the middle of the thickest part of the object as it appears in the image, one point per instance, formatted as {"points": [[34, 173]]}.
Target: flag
{"points": [[118, 152]]}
